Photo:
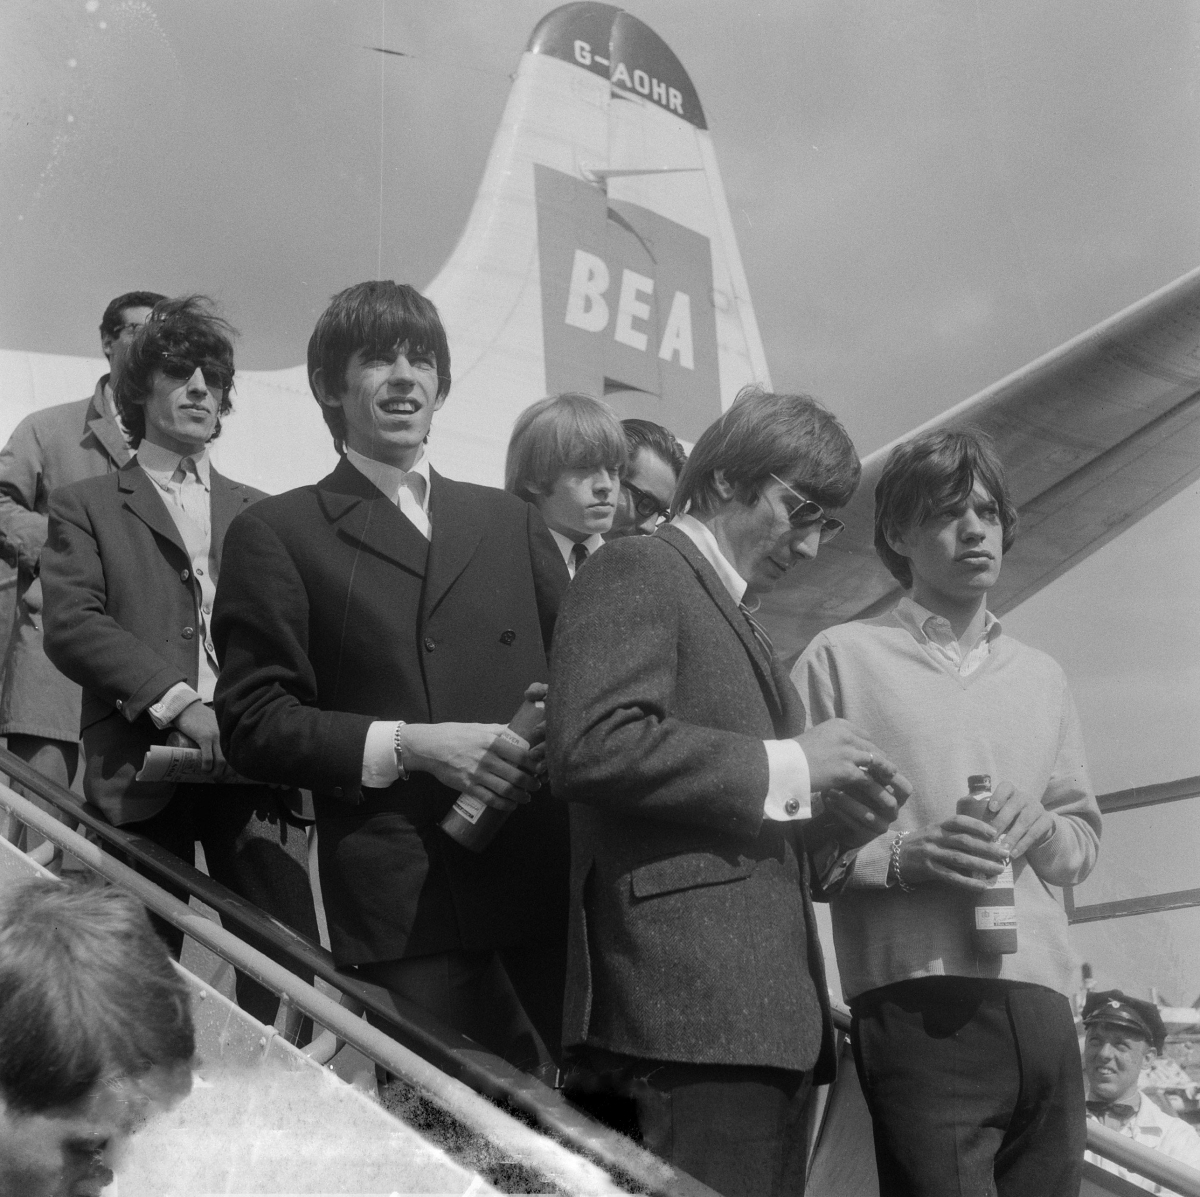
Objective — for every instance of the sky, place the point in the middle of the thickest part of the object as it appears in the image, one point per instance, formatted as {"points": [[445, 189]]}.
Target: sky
{"points": [[926, 194]]}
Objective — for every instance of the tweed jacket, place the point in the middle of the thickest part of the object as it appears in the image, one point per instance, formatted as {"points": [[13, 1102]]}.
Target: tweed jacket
{"points": [[333, 611], [692, 936], [122, 619], [48, 449]]}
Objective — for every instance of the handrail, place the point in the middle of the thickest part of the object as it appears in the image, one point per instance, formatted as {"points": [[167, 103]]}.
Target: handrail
{"points": [[411, 1027], [1145, 1161]]}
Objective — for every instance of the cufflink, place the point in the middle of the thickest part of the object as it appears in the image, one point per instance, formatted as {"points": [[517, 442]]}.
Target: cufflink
{"points": [[791, 806]]}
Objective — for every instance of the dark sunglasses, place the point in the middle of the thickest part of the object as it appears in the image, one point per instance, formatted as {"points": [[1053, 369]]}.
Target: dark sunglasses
{"points": [[216, 374], [645, 504], [806, 513]]}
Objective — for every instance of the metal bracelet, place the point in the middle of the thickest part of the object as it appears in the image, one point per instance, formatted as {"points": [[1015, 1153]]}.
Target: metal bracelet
{"points": [[904, 886], [399, 751]]}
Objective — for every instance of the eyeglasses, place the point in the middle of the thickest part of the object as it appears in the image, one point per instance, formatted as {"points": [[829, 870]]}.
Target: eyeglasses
{"points": [[644, 503], [130, 327], [806, 513], [216, 374]]}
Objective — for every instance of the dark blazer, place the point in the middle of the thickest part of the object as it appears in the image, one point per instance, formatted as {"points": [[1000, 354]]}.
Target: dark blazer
{"points": [[334, 611], [122, 618], [692, 936]]}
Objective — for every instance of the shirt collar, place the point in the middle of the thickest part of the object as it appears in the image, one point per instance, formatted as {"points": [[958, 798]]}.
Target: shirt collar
{"points": [[566, 544], [916, 618], [390, 478], [161, 464], [701, 536]]}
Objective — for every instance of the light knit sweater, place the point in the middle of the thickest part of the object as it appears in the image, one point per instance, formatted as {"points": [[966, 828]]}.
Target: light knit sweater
{"points": [[1012, 718]]}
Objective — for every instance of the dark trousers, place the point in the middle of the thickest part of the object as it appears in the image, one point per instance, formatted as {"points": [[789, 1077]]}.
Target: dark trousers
{"points": [[739, 1130], [250, 849], [975, 1088], [509, 1000]]}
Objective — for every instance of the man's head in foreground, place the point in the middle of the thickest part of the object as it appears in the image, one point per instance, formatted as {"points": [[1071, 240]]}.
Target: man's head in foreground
{"points": [[177, 376], [95, 1035], [1121, 1036], [763, 477], [122, 318], [648, 484], [943, 518], [379, 365], [566, 456]]}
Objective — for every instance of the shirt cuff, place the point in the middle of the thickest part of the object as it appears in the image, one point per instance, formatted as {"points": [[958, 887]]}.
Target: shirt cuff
{"points": [[173, 703], [379, 768], [789, 792]]}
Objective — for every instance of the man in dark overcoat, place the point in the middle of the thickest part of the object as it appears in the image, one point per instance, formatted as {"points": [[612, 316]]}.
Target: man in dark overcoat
{"points": [[695, 978], [377, 630]]}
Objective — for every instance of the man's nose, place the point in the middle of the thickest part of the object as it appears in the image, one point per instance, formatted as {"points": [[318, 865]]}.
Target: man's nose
{"points": [[970, 527], [605, 482], [196, 384], [806, 541], [402, 370]]}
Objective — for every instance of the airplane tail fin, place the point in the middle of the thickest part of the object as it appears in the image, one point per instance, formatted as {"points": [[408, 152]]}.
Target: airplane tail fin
{"points": [[600, 255]]}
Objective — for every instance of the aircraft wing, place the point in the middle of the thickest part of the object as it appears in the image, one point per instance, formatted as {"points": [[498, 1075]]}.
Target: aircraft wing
{"points": [[1094, 435]]}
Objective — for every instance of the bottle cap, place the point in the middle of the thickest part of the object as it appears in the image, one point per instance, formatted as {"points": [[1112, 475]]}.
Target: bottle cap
{"points": [[979, 781]]}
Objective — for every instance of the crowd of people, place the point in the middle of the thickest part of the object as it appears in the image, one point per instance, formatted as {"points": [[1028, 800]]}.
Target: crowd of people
{"points": [[642, 924]]}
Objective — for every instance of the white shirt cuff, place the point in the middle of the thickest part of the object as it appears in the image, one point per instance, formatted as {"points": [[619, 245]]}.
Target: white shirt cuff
{"points": [[167, 709], [379, 768], [789, 792]]}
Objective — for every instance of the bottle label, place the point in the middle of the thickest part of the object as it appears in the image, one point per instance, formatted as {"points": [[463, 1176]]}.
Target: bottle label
{"points": [[469, 808], [515, 740], [1002, 880], [995, 918]]}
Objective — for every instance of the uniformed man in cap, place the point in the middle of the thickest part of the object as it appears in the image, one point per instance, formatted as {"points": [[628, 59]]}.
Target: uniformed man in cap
{"points": [[1124, 1035]]}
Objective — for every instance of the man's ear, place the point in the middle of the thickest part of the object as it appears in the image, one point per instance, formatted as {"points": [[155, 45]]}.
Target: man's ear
{"points": [[722, 486], [317, 381], [106, 344], [896, 542]]}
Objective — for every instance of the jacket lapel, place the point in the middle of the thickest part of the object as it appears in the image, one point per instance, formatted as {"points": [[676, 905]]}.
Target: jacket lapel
{"points": [[457, 531], [764, 667], [227, 499], [104, 428], [143, 500], [365, 517]]}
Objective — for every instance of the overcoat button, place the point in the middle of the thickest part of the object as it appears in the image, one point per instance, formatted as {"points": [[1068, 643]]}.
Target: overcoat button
{"points": [[792, 806], [188, 633], [508, 637], [184, 574], [120, 704], [429, 644], [337, 791]]}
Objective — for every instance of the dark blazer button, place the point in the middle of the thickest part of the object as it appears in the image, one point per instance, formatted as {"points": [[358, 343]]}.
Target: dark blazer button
{"points": [[337, 791], [508, 637], [120, 704], [792, 806], [429, 644], [188, 633], [184, 574]]}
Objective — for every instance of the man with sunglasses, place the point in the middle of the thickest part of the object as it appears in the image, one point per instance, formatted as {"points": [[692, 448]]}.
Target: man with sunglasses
{"points": [[695, 981], [130, 570], [968, 1059], [648, 484], [39, 708]]}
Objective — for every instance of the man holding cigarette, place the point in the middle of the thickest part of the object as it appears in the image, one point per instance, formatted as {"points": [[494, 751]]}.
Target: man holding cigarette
{"points": [[376, 632], [695, 979]]}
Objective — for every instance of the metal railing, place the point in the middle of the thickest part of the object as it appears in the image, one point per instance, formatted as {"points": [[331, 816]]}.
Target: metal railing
{"points": [[432, 1055]]}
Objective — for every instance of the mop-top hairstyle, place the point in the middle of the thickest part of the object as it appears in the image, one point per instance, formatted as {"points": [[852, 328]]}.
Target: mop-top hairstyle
{"points": [[929, 474], [564, 432]]}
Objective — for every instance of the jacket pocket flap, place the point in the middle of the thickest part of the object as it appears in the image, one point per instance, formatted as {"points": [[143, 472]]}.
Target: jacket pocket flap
{"points": [[688, 871]]}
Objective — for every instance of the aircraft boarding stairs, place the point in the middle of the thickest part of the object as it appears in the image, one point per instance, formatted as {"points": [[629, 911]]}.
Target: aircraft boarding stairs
{"points": [[267, 1117]]}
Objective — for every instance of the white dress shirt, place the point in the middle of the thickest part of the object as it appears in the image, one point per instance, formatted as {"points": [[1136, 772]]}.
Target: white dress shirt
{"points": [[788, 776], [566, 546], [935, 632], [184, 484]]}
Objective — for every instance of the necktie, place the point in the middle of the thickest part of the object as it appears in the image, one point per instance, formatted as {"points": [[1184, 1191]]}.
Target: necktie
{"points": [[579, 554], [1104, 1110], [760, 633]]}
